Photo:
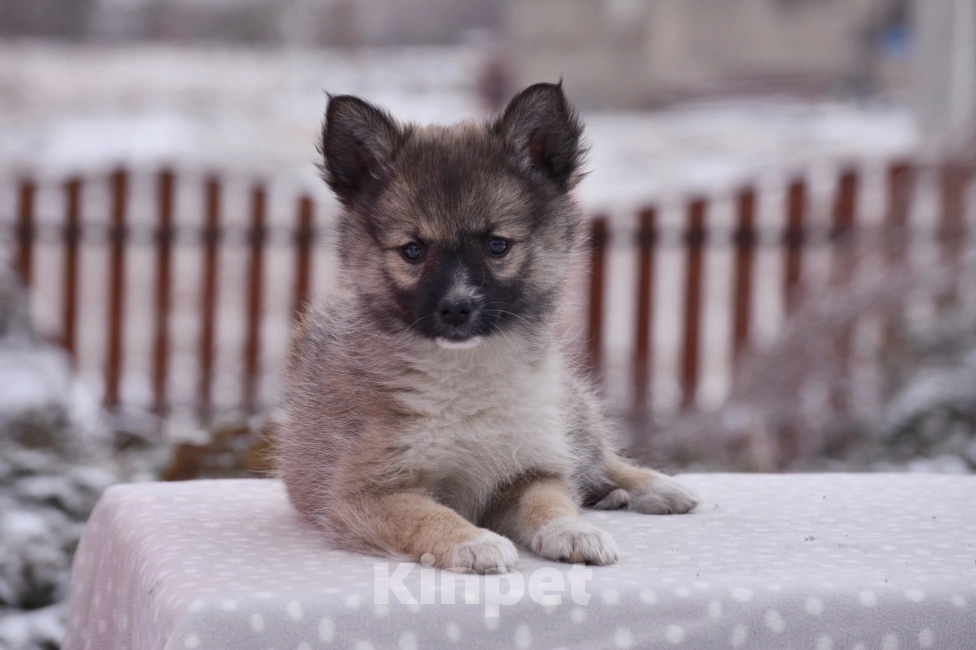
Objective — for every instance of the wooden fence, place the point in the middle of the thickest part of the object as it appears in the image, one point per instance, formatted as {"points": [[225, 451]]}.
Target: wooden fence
{"points": [[259, 235]]}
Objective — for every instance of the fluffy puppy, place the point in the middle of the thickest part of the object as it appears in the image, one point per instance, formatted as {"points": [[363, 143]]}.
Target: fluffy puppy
{"points": [[432, 403]]}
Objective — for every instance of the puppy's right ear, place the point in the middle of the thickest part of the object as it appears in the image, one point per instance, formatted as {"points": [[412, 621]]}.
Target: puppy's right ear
{"points": [[358, 144]]}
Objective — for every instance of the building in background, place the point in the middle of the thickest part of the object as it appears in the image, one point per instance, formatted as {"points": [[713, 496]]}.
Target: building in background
{"points": [[631, 53]]}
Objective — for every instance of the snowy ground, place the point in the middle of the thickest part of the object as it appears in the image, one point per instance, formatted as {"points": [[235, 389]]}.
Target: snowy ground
{"points": [[256, 114]]}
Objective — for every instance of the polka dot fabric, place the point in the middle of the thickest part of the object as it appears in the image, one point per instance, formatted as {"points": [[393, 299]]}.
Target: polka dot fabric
{"points": [[827, 562]]}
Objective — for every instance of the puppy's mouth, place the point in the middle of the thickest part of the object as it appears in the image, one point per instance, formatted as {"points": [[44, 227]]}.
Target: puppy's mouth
{"points": [[458, 342]]}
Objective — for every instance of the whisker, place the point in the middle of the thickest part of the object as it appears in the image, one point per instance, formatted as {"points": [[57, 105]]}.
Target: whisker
{"points": [[503, 311]]}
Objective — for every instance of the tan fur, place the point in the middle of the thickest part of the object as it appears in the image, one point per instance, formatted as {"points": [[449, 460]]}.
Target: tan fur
{"points": [[398, 445], [628, 476]]}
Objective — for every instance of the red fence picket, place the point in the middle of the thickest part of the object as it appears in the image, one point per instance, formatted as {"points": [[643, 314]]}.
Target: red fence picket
{"points": [[72, 237], [842, 227], [252, 340], [793, 238], [304, 238], [695, 241], [954, 182], [643, 337], [598, 262], [165, 195], [208, 296], [116, 287], [745, 244], [25, 230]]}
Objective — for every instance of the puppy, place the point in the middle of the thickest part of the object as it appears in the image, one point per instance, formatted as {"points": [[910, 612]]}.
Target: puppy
{"points": [[432, 404]]}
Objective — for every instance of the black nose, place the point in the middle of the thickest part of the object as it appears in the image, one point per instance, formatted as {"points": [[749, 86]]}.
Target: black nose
{"points": [[454, 311]]}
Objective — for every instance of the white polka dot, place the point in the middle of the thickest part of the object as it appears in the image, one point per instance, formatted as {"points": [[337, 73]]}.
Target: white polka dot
{"points": [[814, 606], [381, 611], [610, 597], [742, 594], [825, 643], [867, 598], [257, 622], [889, 642], [682, 592], [304, 645], [326, 630], [715, 609], [453, 632], [926, 638], [774, 621], [739, 636], [364, 645], [648, 597], [675, 634], [191, 641], [523, 637], [578, 615], [622, 638], [958, 601], [197, 605], [915, 595], [294, 610], [353, 601], [492, 622], [408, 641]]}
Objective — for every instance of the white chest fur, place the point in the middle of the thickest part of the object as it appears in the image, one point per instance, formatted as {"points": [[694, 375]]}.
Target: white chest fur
{"points": [[484, 417]]}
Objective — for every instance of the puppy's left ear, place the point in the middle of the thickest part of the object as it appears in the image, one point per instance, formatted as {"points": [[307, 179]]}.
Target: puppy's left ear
{"points": [[545, 134]]}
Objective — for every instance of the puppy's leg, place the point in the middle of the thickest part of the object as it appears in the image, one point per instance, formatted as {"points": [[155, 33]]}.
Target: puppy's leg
{"points": [[411, 525], [542, 513], [651, 492]]}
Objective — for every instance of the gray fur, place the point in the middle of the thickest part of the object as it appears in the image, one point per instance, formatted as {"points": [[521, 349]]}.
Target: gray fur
{"points": [[406, 429]]}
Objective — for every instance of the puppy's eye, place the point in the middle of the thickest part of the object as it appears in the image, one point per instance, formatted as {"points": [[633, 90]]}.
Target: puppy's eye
{"points": [[497, 247], [412, 252]]}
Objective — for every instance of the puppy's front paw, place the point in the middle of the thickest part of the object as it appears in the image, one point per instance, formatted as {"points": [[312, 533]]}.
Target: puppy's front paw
{"points": [[487, 552], [616, 500], [663, 496], [572, 539]]}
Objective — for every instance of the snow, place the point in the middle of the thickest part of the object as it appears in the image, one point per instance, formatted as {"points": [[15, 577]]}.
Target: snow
{"points": [[55, 461], [32, 380], [259, 111], [39, 628]]}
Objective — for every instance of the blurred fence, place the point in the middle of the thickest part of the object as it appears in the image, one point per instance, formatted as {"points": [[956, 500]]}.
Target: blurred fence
{"points": [[142, 256]]}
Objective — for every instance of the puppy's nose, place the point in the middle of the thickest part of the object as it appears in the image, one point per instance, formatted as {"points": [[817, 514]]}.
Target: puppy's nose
{"points": [[454, 311]]}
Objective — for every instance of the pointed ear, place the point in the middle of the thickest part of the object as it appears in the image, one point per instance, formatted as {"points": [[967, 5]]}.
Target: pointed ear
{"points": [[358, 144], [543, 130]]}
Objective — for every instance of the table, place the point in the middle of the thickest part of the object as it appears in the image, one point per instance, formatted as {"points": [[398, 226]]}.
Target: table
{"points": [[833, 561]]}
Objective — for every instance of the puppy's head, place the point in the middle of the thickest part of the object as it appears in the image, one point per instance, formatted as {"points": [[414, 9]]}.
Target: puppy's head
{"points": [[456, 233]]}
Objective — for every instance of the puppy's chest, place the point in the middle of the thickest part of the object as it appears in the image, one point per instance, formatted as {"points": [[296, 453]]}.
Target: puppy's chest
{"points": [[481, 427]]}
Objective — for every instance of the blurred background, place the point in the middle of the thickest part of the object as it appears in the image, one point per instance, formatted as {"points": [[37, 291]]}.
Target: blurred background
{"points": [[779, 275]]}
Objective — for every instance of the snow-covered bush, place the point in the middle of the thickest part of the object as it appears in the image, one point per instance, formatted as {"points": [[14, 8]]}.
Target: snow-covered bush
{"points": [[55, 461], [876, 374]]}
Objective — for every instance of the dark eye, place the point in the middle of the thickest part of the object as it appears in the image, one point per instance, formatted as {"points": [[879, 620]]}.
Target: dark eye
{"points": [[412, 252], [497, 247]]}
